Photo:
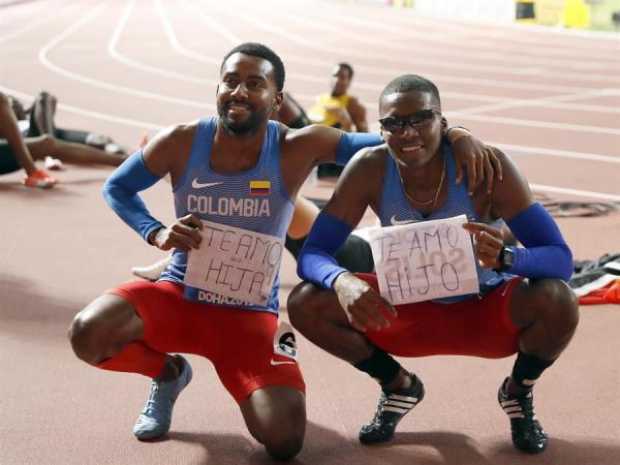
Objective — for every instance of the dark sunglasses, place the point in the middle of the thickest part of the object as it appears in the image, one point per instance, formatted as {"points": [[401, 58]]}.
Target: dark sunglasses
{"points": [[418, 120]]}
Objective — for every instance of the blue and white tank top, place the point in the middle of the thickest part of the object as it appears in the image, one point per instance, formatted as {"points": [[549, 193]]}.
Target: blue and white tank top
{"points": [[394, 208], [255, 200]]}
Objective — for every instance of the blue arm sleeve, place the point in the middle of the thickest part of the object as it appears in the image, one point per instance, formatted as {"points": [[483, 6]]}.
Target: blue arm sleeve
{"points": [[351, 142], [546, 254], [121, 193], [316, 262]]}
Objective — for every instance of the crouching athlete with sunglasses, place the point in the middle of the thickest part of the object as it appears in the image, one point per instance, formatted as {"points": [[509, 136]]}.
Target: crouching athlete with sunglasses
{"points": [[524, 305]]}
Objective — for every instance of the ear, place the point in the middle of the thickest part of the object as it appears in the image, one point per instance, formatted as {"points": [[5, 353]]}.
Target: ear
{"points": [[444, 126], [277, 103]]}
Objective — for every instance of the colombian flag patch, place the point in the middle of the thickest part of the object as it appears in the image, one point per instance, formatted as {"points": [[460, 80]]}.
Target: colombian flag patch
{"points": [[260, 187]]}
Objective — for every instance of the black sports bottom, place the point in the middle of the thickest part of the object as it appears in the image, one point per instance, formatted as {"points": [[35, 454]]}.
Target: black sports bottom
{"points": [[355, 254]]}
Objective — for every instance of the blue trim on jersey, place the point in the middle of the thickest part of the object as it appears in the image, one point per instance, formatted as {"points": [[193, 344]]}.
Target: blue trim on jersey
{"points": [[352, 142], [316, 262], [121, 193], [546, 254]]}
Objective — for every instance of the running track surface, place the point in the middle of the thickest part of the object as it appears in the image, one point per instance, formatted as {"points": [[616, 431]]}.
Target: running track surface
{"points": [[549, 98]]}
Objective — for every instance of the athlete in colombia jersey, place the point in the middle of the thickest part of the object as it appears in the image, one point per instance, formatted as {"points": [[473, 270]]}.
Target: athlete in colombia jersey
{"points": [[240, 173]]}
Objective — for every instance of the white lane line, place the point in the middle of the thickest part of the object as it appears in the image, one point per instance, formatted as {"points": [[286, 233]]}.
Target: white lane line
{"points": [[548, 103], [43, 58], [580, 193], [513, 149], [585, 95], [228, 35], [553, 102], [34, 24], [348, 35], [510, 121], [174, 41], [314, 18], [542, 103], [534, 123], [89, 113], [214, 24], [386, 71], [528, 68], [488, 39], [115, 54], [464, 113], [153, 126], [485, 29], [581, 34], [19, 12]]}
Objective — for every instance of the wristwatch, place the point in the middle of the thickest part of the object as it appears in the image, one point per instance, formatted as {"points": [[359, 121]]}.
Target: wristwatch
{"points": [[506, 258]]}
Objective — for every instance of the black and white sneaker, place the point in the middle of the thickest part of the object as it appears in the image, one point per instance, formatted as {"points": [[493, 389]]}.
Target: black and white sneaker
{"points": [[527, 433], [392, 407]]}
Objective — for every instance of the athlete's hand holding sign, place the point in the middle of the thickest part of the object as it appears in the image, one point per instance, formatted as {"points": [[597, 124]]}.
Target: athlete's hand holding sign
{"points": [[182, 234]]}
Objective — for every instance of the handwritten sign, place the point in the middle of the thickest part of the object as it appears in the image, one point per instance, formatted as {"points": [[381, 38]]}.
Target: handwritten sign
{"points": [[237, 264], [424, 260]]}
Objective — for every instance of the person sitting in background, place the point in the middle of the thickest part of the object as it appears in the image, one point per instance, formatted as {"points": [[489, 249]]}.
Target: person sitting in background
{"points": [[39, 119], [340, 110], [30, 134], [14, 153]]}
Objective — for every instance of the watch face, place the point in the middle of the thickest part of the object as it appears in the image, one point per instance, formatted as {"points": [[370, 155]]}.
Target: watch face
{"points": [[508, 257]]}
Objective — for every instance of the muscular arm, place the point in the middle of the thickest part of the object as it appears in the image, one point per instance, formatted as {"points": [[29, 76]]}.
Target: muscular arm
{"points": [[357, 111], [139, 172], [354, 192], [545, 253], [358, 187], [324, 144], [310, 146]]}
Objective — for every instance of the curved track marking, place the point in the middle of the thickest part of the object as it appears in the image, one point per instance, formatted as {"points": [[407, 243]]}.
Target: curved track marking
{"points": [[43, 58]]}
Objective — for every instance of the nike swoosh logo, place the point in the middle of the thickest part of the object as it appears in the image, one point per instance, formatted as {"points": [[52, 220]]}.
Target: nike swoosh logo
{"points": [[276, 362], [200, 185], [396, 222]]}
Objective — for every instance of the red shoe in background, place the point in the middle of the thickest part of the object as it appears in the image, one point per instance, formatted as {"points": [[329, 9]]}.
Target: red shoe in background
{"points": [[609, 294], [39, 179]]}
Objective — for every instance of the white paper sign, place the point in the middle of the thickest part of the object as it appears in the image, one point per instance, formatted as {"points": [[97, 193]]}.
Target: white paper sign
{"points": [[424, 260], [235, 263]]}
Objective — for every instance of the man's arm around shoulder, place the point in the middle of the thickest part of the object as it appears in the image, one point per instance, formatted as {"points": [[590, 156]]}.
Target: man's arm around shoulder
{"points": [[324, 144]]}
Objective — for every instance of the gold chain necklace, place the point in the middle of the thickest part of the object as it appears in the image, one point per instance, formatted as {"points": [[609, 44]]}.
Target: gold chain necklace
{"points": [[432, 201]]}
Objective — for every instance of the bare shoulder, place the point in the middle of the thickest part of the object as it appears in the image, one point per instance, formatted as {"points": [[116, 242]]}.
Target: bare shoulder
{"points": [[316, 142], [171, 137], [371, 158], [359, 185], [510, 170], [170, 148], [310, 133], [512, 194], [364, 173], [502, 157]]}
